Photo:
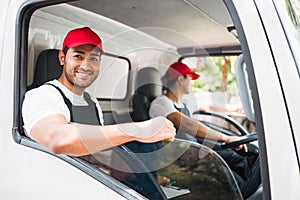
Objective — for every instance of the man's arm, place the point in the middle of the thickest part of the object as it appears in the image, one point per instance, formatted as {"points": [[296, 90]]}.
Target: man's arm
{"points": [[62, 137], [198, 129]]}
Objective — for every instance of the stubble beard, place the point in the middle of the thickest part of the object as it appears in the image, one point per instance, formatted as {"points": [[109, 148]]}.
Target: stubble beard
{"points": [[76, 83]]}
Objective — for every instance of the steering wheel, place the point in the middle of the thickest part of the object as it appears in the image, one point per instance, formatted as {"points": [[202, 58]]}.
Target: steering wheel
{"points": [[243, 140], [228, 119]]}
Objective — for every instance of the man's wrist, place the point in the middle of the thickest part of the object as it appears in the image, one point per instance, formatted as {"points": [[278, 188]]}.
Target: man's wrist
{"points": [[224, 138]]}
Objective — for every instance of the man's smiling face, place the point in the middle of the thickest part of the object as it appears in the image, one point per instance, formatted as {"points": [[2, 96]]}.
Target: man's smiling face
{"points": [[81, 66]]}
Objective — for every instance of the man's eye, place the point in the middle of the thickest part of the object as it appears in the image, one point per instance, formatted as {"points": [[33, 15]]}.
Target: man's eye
{"points": [[95, 59], [78, 56]]}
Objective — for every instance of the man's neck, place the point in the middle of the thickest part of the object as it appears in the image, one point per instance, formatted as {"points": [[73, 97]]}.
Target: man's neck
{"points": [[174, 96], [72, 88]]}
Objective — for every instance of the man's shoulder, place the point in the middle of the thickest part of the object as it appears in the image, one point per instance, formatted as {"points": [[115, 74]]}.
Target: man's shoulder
{"points": [[45, 85], [42, 91], [161, 106], [161, 99], [160, 102]]}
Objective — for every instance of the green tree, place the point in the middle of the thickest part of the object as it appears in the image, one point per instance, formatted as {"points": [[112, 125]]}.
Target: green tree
{"points": [[211, 72]]}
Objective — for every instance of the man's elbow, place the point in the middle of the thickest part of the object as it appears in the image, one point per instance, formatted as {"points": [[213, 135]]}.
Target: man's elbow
{"points": [[57, 148], [61, 144]]}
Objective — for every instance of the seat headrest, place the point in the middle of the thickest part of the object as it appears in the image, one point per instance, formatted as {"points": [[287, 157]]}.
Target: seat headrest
{"points": [[47, 68], [149, 83]]}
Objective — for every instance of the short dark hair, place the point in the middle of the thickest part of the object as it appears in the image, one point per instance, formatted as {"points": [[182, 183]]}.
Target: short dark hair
{"points": [[65, 50], [169, 84]]}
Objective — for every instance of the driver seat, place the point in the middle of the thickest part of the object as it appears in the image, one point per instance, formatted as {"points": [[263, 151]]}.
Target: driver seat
{"points": [[47, 68]]}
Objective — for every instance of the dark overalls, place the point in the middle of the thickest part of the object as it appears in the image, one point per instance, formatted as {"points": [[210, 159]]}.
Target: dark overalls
{"points": [[82, 114]]}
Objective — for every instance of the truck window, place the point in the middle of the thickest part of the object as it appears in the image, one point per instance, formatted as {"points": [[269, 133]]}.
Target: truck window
{"points": [[216, 90]]}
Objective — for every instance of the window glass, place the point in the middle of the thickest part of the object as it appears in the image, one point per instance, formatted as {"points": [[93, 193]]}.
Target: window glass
{"points": [[112, 81], [199, 173], [179, 170], [217, 76], [216, 90]]}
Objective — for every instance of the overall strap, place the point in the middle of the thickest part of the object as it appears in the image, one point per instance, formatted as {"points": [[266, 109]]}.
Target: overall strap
{"points": [[183, 110], [88, 99], [180, 133], [66, 100], [70, 106]]}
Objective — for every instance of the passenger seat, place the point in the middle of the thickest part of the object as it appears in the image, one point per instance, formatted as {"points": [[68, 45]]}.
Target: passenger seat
{"points": [[148, 87]]}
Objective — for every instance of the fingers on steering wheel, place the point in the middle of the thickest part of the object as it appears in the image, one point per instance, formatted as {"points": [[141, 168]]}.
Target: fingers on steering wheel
{"points": [[245, 147], [240, 147]]}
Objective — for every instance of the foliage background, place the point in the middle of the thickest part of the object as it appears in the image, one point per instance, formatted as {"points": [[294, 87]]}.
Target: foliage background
{"points": [[211, 72]]}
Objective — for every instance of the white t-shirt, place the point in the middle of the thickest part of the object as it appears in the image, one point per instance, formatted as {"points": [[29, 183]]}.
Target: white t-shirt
{"points": [[46, 100], [163, 106]]}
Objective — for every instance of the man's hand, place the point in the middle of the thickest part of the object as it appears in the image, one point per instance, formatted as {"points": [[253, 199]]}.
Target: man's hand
{"points": [[156, 129], [236, 138]]}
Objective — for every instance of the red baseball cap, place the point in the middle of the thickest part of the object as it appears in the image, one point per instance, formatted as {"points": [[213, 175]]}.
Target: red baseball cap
{"points": [[81, 36], [179, 69]]}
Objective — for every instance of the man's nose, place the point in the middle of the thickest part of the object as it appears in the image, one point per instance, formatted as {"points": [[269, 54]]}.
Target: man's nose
{"points": [[84, 65]]}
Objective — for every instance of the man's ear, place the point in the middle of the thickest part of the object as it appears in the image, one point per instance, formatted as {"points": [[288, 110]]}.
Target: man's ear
{"points": [[61, 57], [180, 79]]}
